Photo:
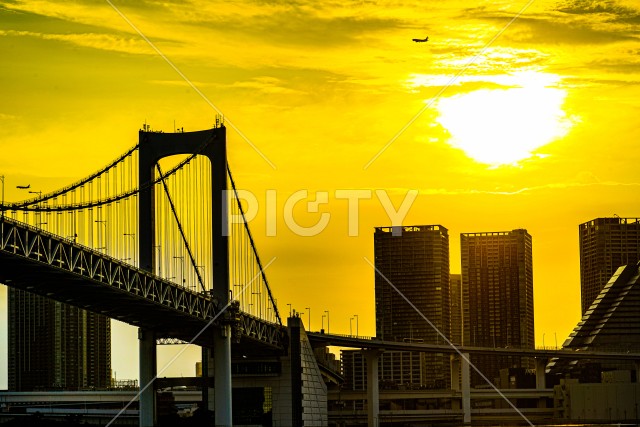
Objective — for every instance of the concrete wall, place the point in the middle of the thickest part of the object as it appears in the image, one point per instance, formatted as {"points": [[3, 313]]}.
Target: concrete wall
{"points": [[613, 402], [314, 390]]}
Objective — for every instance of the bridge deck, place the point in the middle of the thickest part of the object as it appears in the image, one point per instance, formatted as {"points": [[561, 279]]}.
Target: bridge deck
{"points": [[322, 339], [45, 264]]}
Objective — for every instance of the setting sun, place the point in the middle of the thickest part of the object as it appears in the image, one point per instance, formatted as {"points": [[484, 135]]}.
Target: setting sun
{"points": [[505, 126]]}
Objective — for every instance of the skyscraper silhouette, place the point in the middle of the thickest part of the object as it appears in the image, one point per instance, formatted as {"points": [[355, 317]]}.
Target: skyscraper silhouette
{"points": [[605, 245], [497, 278], [55, 346], [412, 291]]}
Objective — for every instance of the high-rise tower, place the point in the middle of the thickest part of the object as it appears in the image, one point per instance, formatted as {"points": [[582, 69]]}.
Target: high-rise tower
{"points": [[497, 279], [55, 346], [414, 260], [458, 307], [605, 245]]}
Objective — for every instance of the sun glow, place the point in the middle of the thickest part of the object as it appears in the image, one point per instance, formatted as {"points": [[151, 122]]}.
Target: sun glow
{"points": [[505, 126]]}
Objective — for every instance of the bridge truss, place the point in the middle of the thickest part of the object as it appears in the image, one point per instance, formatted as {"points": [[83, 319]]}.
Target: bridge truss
{"points": [[79, 245]]}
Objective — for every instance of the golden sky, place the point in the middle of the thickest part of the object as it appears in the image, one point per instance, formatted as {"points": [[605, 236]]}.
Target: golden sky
{"points": [[499, 123]]}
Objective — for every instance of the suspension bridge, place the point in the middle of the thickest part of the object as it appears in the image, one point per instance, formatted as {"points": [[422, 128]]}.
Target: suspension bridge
{"points": [[156, 239]]}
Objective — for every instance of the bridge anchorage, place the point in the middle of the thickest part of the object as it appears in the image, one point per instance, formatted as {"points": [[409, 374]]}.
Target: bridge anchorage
{"points": [[148, 240]]}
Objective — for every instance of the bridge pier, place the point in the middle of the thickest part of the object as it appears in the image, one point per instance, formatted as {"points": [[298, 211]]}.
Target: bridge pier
{"points": [[541, 380], [148, 372], [461, 381], [222, 376], [373, 390], [454, 362]]}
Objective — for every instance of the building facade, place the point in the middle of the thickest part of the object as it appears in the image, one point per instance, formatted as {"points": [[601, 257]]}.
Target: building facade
{"points": [[497, 280], [412, 296], [605, 245], [54, 346]]}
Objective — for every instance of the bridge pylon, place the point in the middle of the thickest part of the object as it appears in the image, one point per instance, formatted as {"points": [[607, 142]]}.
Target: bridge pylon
{"points": [[153, 146]]}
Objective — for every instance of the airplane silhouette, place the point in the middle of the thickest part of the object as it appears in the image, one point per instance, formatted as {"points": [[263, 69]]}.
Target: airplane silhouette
{"points": [[23, 187], [421, 40]]}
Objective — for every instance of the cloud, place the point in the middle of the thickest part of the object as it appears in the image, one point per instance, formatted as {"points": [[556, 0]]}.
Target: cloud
{"points": [[110, 42], [301, 28], [607, 10], [525, 190], [4, 116]]}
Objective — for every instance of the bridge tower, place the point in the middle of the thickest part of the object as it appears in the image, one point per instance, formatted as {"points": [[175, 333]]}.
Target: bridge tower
{"points": [[153, 146]]}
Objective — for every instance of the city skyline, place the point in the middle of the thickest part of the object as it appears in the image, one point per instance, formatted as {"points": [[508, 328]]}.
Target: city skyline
{"points": [[320, 90]]}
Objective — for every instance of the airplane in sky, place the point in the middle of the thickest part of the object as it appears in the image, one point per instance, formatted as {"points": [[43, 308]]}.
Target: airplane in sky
{"points": [[421, 40], [23, 187]]}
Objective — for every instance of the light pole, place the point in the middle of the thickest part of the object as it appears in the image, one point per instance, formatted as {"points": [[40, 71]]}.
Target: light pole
{"points": [[328, 327], [181, 258], [132, 253], [289, 309], [555, 336], [356, 316], [543, 340], [104, 237], [351, 326], [259, 302], [24, 187], [2, 179], [309, 315]]}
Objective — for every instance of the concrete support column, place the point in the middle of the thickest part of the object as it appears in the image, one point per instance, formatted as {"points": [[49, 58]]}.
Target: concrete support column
{"points": [[208, 371], [455, 379], [222, 376], [148, 368], [465, 385], [373, 390], [541, 381]]}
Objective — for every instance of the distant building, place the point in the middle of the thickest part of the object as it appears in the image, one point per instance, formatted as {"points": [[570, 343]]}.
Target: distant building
{"points": [[458, 307], [54, 346], [497, 278], [397, 370], [605, 245], [411, 284], [612, 323]]}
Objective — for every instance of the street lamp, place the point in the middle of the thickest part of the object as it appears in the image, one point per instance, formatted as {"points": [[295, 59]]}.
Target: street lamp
{"points": [[132, 253], [309, 314], [543, 339], [289, 309], [181, 258], [104, 244], [328, 328], [2, 179], [259, 302], [24, 187], [351, 326], [356, 316]]}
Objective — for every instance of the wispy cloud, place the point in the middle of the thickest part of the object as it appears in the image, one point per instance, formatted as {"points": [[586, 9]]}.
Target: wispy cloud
{"points": [[524, 190], [108, 42]]}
